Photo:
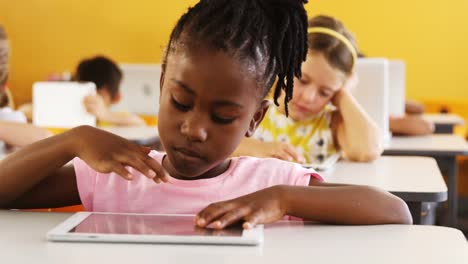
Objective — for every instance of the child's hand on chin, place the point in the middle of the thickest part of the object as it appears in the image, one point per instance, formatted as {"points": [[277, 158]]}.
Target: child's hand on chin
{"points": [[95, 105], [261, 207], [106, 153]]}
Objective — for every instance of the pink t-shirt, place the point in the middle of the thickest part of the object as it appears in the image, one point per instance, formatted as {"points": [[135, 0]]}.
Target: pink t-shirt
{"points": [[101, 192]]}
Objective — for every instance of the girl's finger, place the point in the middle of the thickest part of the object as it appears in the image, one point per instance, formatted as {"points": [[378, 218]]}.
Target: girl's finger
{"points": [[213, 211], [146, 150], [136, 163], [230, 217], [252, 220], [157, 168], [121, 170], [283, 155], [293, 153], [157, 180]]}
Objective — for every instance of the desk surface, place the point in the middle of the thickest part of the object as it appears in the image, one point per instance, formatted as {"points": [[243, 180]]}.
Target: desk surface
{"points": [[436, 144], [139, 134], [23, 241], [444, 119], [414, 179]]}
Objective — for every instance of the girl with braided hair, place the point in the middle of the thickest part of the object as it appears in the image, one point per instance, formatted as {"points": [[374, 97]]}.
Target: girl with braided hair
{"points": [[222, 59]]}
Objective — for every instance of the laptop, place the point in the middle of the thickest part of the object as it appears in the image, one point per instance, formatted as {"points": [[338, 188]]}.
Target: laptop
{"points": [[139, 89], [372, 91], [397, 87]]}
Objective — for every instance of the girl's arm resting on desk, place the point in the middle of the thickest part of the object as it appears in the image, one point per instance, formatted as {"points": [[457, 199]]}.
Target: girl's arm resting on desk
{"points": [[260, 149], [19, 135], [327, 203], [34, 176], [356, 133], [411, 125]]}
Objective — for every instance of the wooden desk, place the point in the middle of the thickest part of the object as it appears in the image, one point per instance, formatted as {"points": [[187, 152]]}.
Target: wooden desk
{"points": [[416, 180], [143, 135], [444, 148], [23, 241], [444, 123]]}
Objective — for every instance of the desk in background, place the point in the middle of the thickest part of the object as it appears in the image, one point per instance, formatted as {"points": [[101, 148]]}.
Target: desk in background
{"points": [[444, 148], [416, 180], [23, 241], [444, 123], [143, 135]]}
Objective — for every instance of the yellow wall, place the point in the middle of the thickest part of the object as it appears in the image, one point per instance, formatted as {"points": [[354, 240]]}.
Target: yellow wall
{"points": [[53, 35]]}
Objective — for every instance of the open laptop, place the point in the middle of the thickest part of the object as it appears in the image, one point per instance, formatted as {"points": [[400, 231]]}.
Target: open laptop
{"points": [[60, 104], [397, 87], [372, 91], [139, 89]]}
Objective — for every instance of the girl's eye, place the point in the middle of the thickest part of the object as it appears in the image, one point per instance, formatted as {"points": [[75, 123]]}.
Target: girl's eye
{"points": [[324, 94], [181, 107], [223, 121], [303, 81]]}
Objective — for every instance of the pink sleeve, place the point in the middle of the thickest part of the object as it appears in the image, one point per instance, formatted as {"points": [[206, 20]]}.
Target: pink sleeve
{"points": [[85, 180], [302, 176]]}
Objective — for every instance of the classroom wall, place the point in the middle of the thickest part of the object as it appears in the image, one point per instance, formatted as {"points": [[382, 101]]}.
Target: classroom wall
{"points": [[53, 35]]}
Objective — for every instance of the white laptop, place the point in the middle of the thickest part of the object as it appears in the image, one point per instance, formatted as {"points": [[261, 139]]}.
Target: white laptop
{"points": [[139, 89], [148, 228], [60, 104], [372, 91], [397, 87]]}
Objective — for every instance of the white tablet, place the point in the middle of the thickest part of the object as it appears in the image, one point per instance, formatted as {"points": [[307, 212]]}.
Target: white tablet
{"points": [[60, 104], [148, 228]]}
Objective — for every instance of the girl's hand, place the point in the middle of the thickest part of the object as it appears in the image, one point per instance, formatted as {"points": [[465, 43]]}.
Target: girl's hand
{"points": [[106, 153], [349, 86], [279, 150], [261, 207], [96, 106]]}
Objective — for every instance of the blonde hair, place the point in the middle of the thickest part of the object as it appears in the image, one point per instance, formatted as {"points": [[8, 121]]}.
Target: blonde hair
{"points": [[341, 52]]}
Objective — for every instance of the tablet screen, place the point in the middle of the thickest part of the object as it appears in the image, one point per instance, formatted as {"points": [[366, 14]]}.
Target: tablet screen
{"points": [[134, 224]]}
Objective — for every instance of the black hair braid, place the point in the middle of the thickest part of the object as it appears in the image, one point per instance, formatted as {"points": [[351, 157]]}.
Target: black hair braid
{"points": [[268, 32]]}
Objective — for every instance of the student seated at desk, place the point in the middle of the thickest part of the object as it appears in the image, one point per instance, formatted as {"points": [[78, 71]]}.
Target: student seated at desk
{"points": [[412, 122], [324, 118], [13, 130], [107, 76], [213, 89]]}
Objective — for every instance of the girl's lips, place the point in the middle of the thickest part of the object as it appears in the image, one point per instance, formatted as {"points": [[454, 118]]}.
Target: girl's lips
{"points": [[189, 153]]}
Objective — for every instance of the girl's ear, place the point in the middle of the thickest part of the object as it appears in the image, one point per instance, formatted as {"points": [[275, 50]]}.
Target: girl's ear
{"points": [[117, 97], [258, 117]]}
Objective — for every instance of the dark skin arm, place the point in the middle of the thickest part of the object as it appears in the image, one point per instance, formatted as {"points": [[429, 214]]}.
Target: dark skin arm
{"points": [[323, 202], [35, 176]]}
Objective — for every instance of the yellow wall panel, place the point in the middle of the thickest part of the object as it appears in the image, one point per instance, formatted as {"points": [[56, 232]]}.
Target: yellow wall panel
{"points": [[53, 35]]}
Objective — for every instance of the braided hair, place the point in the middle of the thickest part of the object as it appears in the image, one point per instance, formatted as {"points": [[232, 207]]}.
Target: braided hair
{"points": [[268, 32]]}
